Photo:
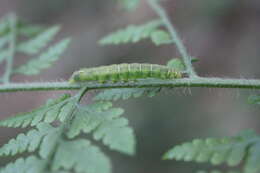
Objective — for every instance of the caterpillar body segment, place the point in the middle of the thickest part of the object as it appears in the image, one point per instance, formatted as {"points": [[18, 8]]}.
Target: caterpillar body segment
{"points": [[124, 72]]}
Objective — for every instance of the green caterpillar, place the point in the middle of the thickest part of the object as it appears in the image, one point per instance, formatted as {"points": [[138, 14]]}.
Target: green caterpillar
{"points": [[124, 72]]}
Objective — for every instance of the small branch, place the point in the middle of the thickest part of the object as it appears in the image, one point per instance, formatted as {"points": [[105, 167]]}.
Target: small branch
{"points": [[185, 82], [179, 44], [11, 50]]}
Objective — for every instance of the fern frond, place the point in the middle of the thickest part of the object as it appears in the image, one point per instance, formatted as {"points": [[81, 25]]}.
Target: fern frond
{"points": [[4, 25], [253, 159], [129, 4], [105, 124], [125, 93], [29, 142], [81, 156], [31, 164], [52, 110], [232, 150], [133, 34], [22, 27], [38, 42], [78, 155], [160, 37], [29, 30], [45, 60], [254, 99]]}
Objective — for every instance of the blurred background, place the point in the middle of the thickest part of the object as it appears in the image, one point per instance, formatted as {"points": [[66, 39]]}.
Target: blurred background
{"points": [[224, 35]]}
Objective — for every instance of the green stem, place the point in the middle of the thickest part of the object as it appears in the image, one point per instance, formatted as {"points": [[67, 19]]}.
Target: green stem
{"points": [[185, 82], [11, 50], [174, 34], [64, 126]]}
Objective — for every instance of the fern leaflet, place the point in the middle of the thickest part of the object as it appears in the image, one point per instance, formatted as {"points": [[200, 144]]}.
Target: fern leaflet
{"points": [[29, 142], [160, 37], [254, 99], [77, 155], [44, 61], [129, 4], [105, 124], [125, 93], [4, 25], [245, 146], [52, 110], [133, 34], [31, 164], [81, 156], [38, 42], [28, 30]]}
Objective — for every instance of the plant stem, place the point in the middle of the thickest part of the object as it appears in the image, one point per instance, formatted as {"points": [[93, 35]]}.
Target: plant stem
{"points": [[179, 44], [64, 126], [11, 50], [185, 82]]}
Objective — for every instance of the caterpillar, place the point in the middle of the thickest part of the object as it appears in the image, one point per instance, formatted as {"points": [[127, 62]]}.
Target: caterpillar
{"points": [[124, 72]]}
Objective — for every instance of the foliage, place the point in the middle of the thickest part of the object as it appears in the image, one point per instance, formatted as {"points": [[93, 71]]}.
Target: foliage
{"points": [[57, 140], [105, 123], [129, 4], [99, 118], [254, 99], [231, 150], [176, 64], [30, 40], [125, 93], [54, 109], [49, 142], [44, 61], [134, 34], [29, 165]]}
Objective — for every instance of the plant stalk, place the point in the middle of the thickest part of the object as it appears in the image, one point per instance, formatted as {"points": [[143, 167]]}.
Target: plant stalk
{"points": [[174, 34], [11, 49], [185, 82]]}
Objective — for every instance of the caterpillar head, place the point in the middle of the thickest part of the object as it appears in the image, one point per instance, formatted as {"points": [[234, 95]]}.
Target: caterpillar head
{"points": [[76, 76]]}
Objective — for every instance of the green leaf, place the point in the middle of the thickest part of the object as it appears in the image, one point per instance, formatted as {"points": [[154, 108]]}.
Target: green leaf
{"points": [[44, 61], [176, 64], [81, 156], [50, 142], [254, 99], [30, 30], [29, 142], [4, 25], [231, 150], [132, 33], [160, 37], [252, 163], [52, 110], [125, 93], [105, 124], [38, 42], [129, 4], [29, 165]]}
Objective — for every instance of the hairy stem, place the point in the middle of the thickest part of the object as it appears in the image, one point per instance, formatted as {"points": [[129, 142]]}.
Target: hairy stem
{"points": [[176, 39], [65, 126], [11, 49], [185, 82]]}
